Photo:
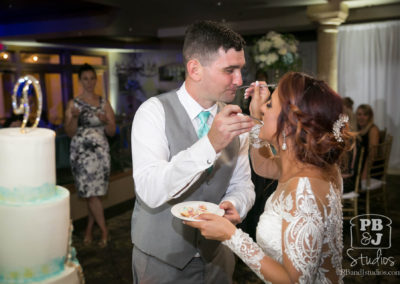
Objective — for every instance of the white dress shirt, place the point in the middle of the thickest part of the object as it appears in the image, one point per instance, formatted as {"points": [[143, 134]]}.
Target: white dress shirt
{"points": [[158, 180]]}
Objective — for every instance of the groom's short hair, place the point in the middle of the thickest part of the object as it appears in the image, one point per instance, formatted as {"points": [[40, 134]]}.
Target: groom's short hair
{"points": [[203, 39]]}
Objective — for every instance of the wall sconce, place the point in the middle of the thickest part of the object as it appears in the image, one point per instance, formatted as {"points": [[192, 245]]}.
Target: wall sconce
{"points": [[4, 56]]}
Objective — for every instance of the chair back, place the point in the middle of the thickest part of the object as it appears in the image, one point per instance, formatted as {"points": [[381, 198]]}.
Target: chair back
{"points": [[358, 171], [378, 160], [377, 165], [350, 199], [382, 135]]}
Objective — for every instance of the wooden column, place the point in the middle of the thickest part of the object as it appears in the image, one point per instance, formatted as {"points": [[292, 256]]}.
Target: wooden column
{"points": [[329, 17]]}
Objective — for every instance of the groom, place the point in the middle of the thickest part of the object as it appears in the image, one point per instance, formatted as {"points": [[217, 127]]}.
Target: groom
{"points": [[187, 145]]}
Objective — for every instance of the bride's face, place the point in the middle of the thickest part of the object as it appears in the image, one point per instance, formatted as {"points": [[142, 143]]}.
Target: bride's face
{"points": [[270, 112]]}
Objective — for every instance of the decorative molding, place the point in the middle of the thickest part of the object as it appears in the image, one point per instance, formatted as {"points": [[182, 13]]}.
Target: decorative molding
{"points": [[333, 13]]}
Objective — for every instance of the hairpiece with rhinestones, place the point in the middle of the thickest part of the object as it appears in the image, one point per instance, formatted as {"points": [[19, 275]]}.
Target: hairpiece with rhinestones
{"points": [[337, 126]]}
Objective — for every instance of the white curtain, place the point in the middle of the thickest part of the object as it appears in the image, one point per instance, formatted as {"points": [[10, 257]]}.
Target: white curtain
{"points": [[369, 73]]}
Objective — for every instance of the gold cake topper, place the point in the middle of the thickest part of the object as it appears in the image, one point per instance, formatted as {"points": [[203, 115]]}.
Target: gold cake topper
{"points": [[22, 86]]}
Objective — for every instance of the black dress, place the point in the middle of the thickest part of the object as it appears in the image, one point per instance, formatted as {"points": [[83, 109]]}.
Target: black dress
{"points": [[362, 142]]}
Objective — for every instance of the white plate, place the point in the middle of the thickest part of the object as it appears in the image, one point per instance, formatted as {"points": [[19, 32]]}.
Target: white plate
{"points": [[211, 208]]}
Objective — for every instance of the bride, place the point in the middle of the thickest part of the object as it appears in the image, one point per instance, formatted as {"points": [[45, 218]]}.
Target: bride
{"points": [[299, 235]]}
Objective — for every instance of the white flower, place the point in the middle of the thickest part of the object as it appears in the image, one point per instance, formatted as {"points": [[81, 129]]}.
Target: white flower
{"points": [[282, 51], [264, 45], [276, 51], [262, 58], [271, 58], [277, 41], [271, 34], [293, 47]]}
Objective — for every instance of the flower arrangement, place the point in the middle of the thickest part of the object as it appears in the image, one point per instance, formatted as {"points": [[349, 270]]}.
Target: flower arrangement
{"points": [[276, 51]]}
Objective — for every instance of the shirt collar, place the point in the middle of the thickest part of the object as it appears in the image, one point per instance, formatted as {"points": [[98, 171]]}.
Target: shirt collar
{"points": [[193, 108]]}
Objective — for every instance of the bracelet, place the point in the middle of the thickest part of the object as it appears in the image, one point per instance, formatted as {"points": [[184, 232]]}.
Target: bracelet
{"points": [[255, 141]]}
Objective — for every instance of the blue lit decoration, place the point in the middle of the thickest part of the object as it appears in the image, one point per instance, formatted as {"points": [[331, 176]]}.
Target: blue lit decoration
{"points": [[130, 88]]}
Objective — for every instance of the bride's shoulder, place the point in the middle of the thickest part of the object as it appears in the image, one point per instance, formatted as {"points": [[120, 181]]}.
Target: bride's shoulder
{"points": [[297, 182], [308, 185]]}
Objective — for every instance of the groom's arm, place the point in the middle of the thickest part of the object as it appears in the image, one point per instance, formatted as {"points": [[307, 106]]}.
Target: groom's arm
{"points": [[241, 189], [158, 178]]}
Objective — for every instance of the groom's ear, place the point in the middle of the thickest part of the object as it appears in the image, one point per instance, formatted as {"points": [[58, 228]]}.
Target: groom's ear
{"points": [[194, 70]]}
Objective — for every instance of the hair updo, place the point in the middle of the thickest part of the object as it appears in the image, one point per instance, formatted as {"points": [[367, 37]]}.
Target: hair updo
{"points": [[86, 67], [309, 110]]}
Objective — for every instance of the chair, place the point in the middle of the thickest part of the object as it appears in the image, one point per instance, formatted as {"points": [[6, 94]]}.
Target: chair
{"points": [[377, 164], [382, 135], [350, 199]]}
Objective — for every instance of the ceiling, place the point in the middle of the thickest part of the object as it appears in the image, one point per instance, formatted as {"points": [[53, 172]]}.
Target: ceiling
{"points": [[133, 23]]}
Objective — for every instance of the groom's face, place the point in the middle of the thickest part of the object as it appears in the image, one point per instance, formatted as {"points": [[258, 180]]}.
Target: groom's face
{"points": [[222, 75]]}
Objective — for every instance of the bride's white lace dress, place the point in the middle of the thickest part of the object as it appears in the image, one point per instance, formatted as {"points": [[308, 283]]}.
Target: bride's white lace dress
{"points": [[302, 222]]}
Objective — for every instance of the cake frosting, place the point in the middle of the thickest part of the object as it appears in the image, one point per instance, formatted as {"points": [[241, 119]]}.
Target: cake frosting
{"points": [[34, 212], [27, 162]]}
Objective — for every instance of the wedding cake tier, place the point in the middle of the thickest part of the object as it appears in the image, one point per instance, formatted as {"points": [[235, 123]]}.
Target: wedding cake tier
{"points": [[34, 212]]}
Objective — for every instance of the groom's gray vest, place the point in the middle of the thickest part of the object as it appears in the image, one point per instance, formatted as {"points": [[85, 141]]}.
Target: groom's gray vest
{"points": [[155, 231]]}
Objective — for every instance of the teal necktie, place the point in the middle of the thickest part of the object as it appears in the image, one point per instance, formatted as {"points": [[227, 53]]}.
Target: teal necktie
{"points": [[203, 128]]}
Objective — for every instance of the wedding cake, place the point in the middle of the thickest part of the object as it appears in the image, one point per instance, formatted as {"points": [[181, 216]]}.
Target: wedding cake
{"points": [[35, 229]]}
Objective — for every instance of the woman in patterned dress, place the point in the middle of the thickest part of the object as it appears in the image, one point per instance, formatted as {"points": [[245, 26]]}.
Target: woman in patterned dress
{"points": [[299, 235], [89, 118]]}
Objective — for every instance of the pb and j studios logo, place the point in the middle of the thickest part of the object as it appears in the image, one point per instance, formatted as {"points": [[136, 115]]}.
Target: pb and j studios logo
{"points": [[370, 234]]}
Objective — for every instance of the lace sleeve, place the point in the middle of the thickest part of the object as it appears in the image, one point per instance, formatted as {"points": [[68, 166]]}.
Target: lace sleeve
{"points": [[255, 141], [303, 232], [251, 254]]}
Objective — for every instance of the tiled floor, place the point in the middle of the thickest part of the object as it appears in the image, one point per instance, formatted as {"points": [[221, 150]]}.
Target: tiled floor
{"points": [[113, 263]]}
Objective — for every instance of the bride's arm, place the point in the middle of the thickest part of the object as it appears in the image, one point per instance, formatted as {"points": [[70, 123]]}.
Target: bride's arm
{"points": [[302, 240], [263, 160], [264, 163], [302, 237], [218, 228], [252, 255]]}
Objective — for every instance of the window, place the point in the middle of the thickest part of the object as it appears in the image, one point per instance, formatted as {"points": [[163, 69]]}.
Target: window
{"points": [[41, 58], [6, 87], [82, 59], [56, 70], [55, 110]]}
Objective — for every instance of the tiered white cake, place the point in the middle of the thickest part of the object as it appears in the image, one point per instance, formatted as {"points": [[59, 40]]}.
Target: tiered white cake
{"points": [[34, 212]]}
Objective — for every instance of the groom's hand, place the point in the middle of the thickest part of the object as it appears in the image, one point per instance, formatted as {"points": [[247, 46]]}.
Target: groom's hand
{"points": [[230, 212], [227, 125]]}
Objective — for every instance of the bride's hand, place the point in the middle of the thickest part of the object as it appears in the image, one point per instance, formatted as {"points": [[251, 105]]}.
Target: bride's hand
{"points": [[259, 93], [213, 227]]}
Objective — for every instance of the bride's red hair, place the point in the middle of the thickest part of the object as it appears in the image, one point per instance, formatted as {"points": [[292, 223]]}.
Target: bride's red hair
{"points": [[309, 110]]}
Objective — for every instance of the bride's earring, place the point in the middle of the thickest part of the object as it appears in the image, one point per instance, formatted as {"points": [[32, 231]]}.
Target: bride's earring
{"points": [[284, 145]]}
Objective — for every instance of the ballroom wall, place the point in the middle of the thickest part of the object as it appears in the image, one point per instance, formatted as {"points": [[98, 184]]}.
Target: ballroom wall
{"points": [[369, 72], [135, 76]]}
